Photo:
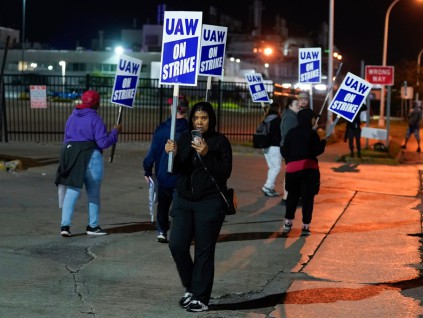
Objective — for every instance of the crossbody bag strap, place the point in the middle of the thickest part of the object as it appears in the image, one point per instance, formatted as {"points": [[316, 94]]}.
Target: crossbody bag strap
{"points": [[211, 177]]}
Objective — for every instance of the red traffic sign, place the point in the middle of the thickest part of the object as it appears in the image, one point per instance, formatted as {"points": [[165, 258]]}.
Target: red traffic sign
{"points": [[382, 75]]}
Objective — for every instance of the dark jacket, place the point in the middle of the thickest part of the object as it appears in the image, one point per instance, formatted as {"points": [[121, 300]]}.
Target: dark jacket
{"points": [[74, 159], [288, 121], [194, 183], [274, 129], [302, 142], [158, 157]]}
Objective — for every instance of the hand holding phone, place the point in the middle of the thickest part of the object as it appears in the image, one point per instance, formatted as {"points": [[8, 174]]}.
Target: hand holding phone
{"points": [[196, 136]]}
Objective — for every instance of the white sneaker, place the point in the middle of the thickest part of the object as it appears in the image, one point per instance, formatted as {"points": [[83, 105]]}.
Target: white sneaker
{"points": [[197, 306], [161, 238], [269, 192], [287, 226]]}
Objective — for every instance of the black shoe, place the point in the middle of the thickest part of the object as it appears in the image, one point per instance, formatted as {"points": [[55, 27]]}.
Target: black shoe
{"points": [[197, 306], [359, 155], [352, 154], [65, 231], [185, 300], [418, 149], [403, 147], [95, 231], [283, 202]]}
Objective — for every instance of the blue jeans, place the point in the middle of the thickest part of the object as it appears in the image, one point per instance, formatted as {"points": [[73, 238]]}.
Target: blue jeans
{"points": [[92, 181]]}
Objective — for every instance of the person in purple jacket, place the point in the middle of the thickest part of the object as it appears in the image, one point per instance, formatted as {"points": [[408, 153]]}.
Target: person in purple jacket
{"points": [[81, 161]]}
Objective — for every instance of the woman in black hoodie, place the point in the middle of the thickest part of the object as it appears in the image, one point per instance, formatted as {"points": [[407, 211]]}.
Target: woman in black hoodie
{"points": [[301, 147], [198, 208]]}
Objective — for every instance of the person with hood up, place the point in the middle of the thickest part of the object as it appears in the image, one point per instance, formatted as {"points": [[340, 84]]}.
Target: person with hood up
{"points": [[81, 161], [301, 147], [157, 157], [198, 210]]}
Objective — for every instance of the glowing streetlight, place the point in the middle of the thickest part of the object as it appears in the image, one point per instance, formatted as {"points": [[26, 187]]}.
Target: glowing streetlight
{"points": [[63, 65], [268, 51]]}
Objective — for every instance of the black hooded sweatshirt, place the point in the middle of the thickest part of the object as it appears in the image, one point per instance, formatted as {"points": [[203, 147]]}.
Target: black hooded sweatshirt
{"points": [[302, 144], [194, 183]]}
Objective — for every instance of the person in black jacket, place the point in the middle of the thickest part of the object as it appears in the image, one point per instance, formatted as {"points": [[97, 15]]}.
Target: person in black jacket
{"points": [[198, 208], [301, 147], [353, 132]]}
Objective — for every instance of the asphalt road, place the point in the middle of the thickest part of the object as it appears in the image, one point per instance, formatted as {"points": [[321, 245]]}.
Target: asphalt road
{"points": [[363, 258]]}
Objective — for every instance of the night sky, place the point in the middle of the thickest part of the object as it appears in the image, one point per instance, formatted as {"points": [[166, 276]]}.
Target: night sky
{"points": [[358, 28]]}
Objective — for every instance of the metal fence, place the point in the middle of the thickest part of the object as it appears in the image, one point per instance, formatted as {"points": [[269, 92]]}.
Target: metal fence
{"points": [[237, 115]]}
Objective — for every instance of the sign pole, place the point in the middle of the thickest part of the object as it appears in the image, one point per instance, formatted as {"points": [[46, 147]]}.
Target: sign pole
{"points": [[329, 132], [328, 93], [208, 86], [119, 119], [173, 125], [388, 115]]}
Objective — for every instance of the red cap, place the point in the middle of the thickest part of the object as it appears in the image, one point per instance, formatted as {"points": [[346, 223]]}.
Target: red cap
{"points": [[89, 100]]}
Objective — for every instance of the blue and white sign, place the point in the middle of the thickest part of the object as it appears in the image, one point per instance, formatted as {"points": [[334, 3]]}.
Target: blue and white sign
{"points": [[310, 65], [126, 81], [349, 97], [213, 43], [257, 90], [180, 47]]}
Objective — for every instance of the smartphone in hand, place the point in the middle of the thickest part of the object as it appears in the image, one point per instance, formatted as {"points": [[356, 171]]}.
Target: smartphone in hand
{"points": [[196, 135]]}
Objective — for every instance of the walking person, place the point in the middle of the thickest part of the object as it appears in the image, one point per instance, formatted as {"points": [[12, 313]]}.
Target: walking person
{"points": [[158, 158], [198, 208], [353, 133], [301, 147], [289, 121], [272, 153], [414, 118], [81, 161]]}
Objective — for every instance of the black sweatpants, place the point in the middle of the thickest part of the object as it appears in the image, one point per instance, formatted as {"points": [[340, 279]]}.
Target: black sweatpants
{"points": [[199, 221], [302, 184]]}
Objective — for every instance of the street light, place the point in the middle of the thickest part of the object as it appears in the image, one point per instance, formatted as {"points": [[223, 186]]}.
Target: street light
{"points": [[23, 34], [63, 65], [419, 58], [385, 48], [330, 62]]}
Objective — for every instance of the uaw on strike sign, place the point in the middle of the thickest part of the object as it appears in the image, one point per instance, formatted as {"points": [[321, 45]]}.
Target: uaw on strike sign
{"points": [[126, 81], [213, 43], [350, 96], [310, 65], [257, 90], [180, 47]]}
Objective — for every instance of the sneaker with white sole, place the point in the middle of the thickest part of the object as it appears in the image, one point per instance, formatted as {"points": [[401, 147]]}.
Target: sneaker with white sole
{"points": [[305, 230], [65, 231], [287, 226], [95, 231], [197, 306], [161, 238], [185, 300], [269, 192]]}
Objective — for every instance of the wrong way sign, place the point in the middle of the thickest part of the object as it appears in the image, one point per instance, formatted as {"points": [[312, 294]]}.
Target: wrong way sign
{"points": [[382, 75]]}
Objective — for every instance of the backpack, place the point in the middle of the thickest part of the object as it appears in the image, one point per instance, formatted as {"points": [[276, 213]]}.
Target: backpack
{"points": [[262, 138]]}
